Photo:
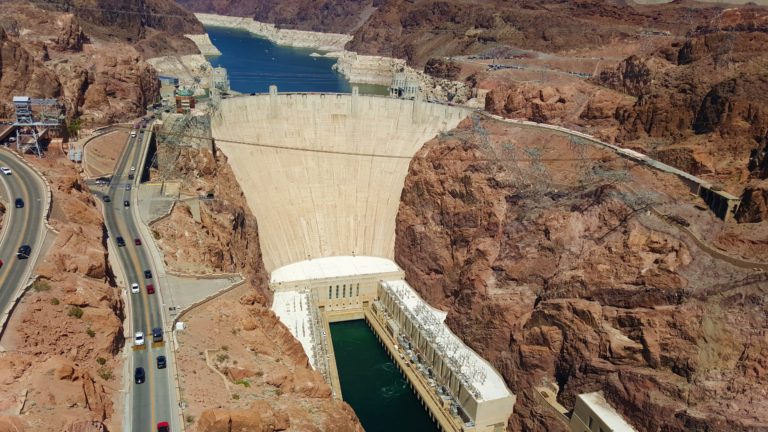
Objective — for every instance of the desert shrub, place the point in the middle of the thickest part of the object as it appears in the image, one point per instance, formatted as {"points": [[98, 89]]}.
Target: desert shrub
{"points": [[75, 312]]}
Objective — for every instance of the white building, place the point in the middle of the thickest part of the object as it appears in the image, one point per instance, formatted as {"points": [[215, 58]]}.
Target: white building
{"points": [[466, 382], [593, 413]]}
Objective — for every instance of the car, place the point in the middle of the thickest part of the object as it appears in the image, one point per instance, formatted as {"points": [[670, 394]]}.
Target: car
{"points": [[150, 289], [120, 241], [24, 252], [19, 203], [139, 376], [138, 339], [127, 186], [126, 203], [157, 334], [6, 170], [137, 241], [163, 427], [133, 168], [147, 274], [161, 363], [133, 134], [135, 288], [1, 263], [131, 176], [107, 198]]}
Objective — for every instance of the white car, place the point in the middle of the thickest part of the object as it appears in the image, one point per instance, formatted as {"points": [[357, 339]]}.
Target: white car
{"points": [[133, 169], [135, 288], [5, 170], [138, 339], [133, 133]]}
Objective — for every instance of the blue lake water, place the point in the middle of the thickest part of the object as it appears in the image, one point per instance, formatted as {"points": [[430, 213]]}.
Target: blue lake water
{"points": [[253, 64]]}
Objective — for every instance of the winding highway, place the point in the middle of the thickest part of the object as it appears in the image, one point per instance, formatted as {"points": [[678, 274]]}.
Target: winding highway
{"points": [[152, 401], [21, 226]]}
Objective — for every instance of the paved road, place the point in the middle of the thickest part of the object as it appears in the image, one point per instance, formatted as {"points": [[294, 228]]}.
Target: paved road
{"points": [[152, 401], [22, 226]]}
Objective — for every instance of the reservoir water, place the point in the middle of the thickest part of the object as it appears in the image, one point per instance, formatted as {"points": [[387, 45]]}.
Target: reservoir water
{"points": [[254, 63], [372, 384]]}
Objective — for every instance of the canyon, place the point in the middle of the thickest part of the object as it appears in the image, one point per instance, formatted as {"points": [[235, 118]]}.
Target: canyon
{"points": [[557, 261]]}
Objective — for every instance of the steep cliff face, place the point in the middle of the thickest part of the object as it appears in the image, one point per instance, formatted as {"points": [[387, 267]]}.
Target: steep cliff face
{"points": [[46, 54], [22, 73], [251, 345], [699, 105], [128, 20], [553, 272]]}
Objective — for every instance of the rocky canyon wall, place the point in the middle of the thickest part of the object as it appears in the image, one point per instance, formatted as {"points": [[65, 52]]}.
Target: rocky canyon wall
{"points": [[269, 382], [552, 269], [61, 357], [90, 60]]}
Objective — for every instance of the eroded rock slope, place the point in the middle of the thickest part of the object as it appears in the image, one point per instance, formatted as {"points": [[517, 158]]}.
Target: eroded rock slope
{"points": [[546, 258]]}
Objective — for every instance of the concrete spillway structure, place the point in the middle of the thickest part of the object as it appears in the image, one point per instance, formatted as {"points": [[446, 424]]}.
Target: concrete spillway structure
{"points": [[323, 173]]}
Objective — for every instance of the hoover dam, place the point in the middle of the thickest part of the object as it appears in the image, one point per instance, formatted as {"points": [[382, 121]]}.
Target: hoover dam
{"points": [[323, 174]]}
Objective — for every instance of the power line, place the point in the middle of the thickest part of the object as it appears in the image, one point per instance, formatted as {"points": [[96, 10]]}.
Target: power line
{"points": [[373, 155]]}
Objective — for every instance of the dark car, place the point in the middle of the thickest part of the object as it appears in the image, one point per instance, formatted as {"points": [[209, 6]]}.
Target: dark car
{"points": [[163, 427], [139, 376], [120, 241], [147, 274], [1, 263], [137, 241], [107, 198], [161, 362], [24, 252], [19, 203], [130, 176], [150, 289], [157, 334], [126, 203]]}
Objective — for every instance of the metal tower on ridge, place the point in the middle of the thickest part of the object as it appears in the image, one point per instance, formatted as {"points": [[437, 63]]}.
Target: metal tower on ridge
{"points": [[30, 127]]}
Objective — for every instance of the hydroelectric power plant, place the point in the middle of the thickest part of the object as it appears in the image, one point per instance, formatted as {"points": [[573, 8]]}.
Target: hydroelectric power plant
{"points": [[323, 174]]}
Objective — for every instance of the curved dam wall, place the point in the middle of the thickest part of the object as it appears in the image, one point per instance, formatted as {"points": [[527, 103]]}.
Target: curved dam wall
{"points": [[323, 173]]}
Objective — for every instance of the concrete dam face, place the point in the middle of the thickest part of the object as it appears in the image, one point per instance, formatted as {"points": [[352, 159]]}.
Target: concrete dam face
{"points": [[323, 173]]}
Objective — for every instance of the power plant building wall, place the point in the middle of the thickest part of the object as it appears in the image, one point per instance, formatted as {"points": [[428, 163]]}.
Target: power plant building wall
{"points": [[337, 284], [472, 382], [323, 173]]}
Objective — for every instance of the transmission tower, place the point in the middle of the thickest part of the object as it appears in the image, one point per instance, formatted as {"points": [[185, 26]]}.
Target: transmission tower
{"points": [[30, 127]]}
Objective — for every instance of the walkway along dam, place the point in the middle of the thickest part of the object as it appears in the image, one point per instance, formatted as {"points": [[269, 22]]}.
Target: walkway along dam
{"points": [[323, 174]]}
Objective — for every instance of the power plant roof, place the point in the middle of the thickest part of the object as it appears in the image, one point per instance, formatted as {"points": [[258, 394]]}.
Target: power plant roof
{"points": [[333, 267], [483, 377]]}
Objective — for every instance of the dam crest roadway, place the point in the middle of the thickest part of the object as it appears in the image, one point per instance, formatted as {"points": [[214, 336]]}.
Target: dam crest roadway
{"points": [[323, 174]]}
